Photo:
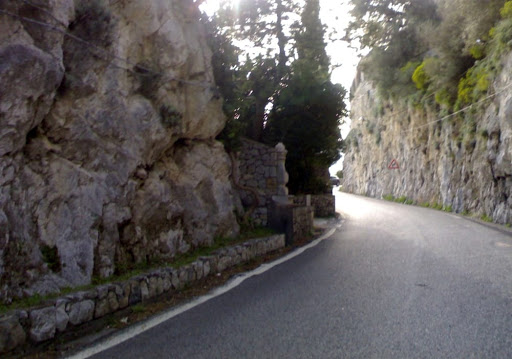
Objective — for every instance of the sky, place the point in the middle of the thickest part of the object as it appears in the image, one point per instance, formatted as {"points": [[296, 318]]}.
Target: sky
{"points": [[334, 14]]}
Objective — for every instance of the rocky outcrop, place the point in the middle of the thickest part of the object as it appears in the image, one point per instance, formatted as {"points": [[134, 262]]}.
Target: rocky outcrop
{"points": [[108, 115], [461, 162]]}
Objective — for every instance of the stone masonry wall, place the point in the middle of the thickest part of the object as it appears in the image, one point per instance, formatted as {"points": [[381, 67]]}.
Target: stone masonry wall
{"points": [[302, 222], [258, 170], [324, 204], [35, 325]]}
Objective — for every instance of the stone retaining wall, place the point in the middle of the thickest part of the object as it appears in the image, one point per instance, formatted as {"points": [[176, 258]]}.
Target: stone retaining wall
{"points": [[302, 222], [258, 170], [35, 325], [324, 204], [296, 221]]}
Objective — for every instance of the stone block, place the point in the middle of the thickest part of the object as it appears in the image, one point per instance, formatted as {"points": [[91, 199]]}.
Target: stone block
{"points": [[206, 268], [102, 291], [42, 324], [81, 312], [223, 263], [183, 276], [61, 316], [199, 269], [102, 308], [144, 290], [124, 297], [135, 293], [159, 285], [167, 284], [191, 273], [12, 334], [176, 283], [271, 183], [113, 303], [153, 287]]}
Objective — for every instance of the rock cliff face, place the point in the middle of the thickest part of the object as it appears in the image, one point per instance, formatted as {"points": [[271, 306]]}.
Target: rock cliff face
{"points": [[107, 153], [461, 162]]}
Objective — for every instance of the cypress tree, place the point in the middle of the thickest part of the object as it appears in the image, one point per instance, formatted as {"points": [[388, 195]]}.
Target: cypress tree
{"points": [[307, 115]]}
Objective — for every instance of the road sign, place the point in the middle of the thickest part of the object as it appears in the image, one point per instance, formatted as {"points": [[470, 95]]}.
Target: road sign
{"points": [[393, 165]]}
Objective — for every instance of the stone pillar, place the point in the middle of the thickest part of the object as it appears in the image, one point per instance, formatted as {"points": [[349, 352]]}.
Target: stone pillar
{"points": [[282, 175]]}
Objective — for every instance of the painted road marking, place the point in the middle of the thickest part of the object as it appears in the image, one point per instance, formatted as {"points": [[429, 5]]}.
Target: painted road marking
{"points": [[139, 328]]}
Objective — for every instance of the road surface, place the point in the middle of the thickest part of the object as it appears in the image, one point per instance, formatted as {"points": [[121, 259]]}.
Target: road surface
{"points": [[394, 281]]}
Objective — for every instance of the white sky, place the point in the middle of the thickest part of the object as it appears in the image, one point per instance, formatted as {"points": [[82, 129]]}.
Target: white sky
{"points": [[334, 14]]}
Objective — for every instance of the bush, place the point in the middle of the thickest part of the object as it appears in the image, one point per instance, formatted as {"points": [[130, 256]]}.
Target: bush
{"points": [[506, 10], [444, 98], [389, 197], [401, 199], [475, 84], [420, 77], [477, 51]]}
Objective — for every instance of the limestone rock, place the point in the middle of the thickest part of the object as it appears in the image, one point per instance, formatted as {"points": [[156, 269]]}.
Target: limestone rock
{"points": [[439, 163], [61, 316], [107, 151], [11, 333], [43, 324], [81, 312]]}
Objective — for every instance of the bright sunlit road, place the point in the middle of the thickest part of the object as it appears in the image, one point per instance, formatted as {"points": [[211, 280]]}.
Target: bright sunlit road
{"points": [[394, 281]]}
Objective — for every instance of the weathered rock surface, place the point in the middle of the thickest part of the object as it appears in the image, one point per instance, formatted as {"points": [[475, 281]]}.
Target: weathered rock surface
{"points": [[463, 163], [107, 154], [11, 332], [44, 324]]}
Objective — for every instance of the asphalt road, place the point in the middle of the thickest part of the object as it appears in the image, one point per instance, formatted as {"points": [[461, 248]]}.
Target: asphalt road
{"points": [[394, 281]]}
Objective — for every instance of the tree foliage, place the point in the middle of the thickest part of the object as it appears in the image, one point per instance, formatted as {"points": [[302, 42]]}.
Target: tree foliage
{"points": [[283, 93], [306, 117], [306, 120]]}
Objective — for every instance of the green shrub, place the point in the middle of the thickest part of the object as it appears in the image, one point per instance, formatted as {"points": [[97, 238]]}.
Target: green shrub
{"points": [[474, 84], [477, 51], [486, 218], [506, 10], [401, 199], [444, 98], [389, 197], [420, 77], [437, 206]]}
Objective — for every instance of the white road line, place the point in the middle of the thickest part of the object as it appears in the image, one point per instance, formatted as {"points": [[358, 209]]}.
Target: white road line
{"points": [[137, 329]]}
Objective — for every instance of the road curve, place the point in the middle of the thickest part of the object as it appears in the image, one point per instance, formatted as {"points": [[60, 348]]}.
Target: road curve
{"points": [[394, 281]]}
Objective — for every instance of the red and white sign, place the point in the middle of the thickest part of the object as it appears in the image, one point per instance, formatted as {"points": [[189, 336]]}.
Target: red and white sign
{"points": [[393, 165]]}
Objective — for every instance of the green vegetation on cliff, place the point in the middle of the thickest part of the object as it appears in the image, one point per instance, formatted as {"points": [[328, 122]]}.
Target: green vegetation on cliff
{"points": [[447, 51]]}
